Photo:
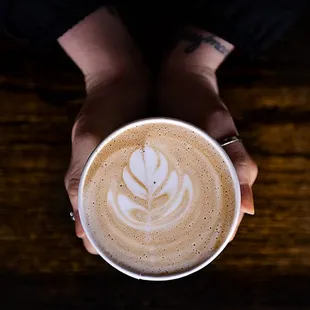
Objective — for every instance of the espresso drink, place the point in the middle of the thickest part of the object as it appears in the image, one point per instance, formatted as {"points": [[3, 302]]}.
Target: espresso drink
{"points": [[158, 199]]}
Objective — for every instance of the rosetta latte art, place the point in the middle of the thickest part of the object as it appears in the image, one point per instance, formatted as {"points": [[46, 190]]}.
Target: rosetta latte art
{"points": [[157, 195]]}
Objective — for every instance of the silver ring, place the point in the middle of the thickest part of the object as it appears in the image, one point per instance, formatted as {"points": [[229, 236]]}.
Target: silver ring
{"points": [[229, 140], [72, 216]]}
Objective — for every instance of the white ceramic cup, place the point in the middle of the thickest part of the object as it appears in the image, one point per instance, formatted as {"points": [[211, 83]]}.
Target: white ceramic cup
{"points": [[226, 161]]}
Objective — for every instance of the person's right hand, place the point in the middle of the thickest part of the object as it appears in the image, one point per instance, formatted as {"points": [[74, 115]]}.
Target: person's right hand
{"points": [[189, 98], [188, 91], [247, 172]]}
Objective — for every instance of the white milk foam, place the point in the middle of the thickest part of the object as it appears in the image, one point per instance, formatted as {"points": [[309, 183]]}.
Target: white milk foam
{"points": [[158, 199], [148, 177]]}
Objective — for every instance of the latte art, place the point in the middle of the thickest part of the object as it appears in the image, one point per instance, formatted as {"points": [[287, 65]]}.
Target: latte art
{"points": [[164, 195], [158, 199]]}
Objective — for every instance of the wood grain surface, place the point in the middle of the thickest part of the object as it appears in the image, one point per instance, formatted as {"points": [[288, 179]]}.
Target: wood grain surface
{"points": [[43, 264]]}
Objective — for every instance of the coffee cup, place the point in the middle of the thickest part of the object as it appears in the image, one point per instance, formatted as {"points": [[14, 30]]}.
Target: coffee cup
{"points": [[159, 199]]}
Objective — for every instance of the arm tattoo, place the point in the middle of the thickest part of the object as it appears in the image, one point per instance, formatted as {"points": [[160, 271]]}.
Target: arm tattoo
{"points": [[197, 39]]}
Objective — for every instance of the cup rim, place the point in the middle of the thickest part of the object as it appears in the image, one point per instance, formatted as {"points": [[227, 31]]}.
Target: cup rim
{"points": [[222, 153]]}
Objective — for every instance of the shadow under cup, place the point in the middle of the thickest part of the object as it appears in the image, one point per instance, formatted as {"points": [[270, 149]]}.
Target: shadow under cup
{"points": [[137, 237]]}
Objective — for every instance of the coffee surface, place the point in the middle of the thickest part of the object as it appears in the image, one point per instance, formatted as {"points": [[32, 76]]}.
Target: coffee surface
{"points": [[158, 199]]}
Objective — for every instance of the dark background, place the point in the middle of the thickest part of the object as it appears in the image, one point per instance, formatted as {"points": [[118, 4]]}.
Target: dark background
{"points": [[43, 264]]}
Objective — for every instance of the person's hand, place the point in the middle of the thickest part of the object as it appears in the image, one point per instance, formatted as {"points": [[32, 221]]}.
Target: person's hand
{"points": [[219, 124], [188, 91], [247, 172], [184, 98], [108, 106], [116, 83], [83, 143]]}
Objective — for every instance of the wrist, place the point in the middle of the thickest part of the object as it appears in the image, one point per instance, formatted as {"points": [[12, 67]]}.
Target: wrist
{"points": [[198, 51], [101, 45], [98, 84], [110, 103]]}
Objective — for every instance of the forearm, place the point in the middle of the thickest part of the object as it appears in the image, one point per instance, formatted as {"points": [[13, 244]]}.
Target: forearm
{"points": [[197, 51], [116, 78], [101, 47], [188, 87]]}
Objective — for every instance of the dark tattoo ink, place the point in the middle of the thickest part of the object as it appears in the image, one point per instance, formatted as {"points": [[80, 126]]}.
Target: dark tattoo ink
{"points": [[197, 39]]}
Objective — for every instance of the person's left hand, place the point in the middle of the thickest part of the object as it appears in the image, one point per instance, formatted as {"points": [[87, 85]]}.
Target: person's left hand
{"points": [[83, 143], [108, 106], [116, 81]]}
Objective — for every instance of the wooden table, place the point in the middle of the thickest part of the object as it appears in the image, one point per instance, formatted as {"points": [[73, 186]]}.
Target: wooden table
{"points": [[43, 264]]}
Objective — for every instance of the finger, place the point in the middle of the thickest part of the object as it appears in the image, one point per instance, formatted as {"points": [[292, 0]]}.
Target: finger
{"points": [[72, 186], [72, 178], [239, 221], [81, 234], [81, 148], [247, 202], [88, 246], [246, 172], [79, 231], [247, 169]]}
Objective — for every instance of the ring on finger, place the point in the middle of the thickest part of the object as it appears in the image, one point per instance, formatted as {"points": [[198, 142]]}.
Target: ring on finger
{"points": [[229, 140], [72, 216]]}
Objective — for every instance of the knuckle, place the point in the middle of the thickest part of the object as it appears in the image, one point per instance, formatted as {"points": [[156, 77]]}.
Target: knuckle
{"points": [[72, 178], [254, 167], [246, 167], [254, 171], [78, 125], [240, 155], [67, 179], [71, 181], [72, 186]]}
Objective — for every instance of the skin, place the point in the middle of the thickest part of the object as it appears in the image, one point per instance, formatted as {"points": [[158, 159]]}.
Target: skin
{"points": [[117, 87]]}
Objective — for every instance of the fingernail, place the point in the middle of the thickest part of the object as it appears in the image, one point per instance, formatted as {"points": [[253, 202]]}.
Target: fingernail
{"points": [[248, 209], [252, 212], [247, 203]]}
